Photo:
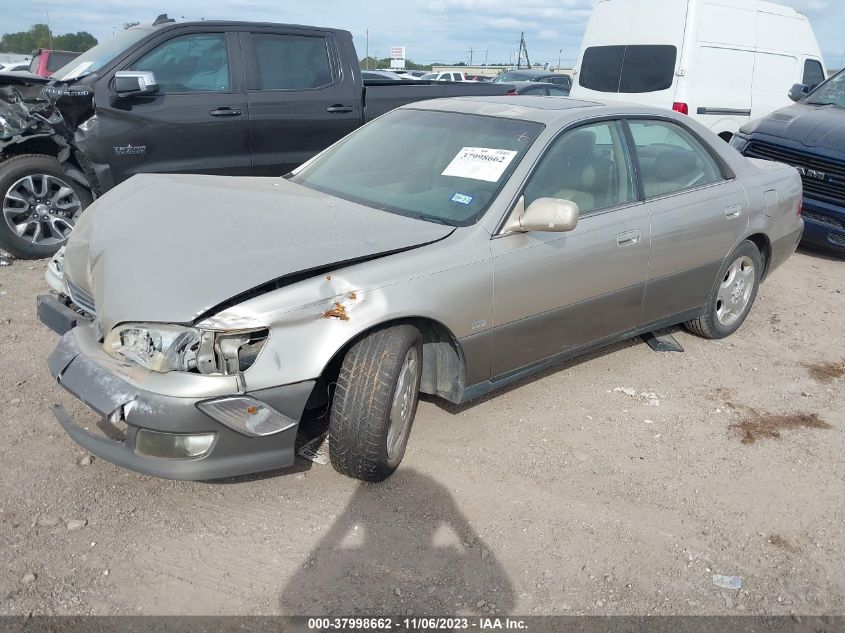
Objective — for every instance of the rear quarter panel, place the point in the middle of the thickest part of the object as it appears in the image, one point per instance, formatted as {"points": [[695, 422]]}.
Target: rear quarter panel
{"points": [[774, 194]]}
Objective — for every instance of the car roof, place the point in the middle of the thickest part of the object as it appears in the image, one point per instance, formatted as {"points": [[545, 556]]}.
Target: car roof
{"points": [[537, 108], [521, 84]]}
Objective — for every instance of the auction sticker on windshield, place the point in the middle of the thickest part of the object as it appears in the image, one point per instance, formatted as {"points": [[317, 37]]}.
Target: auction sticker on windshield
{"points": [[480, 163]]}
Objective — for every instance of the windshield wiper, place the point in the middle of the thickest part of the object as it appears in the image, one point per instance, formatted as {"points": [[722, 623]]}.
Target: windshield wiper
{"points": [[430, 218], [823, 103]]}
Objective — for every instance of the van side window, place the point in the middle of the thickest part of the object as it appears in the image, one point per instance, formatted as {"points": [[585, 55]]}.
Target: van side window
{"points": [[813, 73], [670, 158], [189, 63], [587, 166], [291, 62]]}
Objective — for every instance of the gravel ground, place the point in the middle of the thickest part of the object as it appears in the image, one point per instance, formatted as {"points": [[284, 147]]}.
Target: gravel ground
{"points": [[620, 483]]}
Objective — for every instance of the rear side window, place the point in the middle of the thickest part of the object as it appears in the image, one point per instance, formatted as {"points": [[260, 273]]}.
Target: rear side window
{"points": [[560, 81], [628, 69], [189, 63], [291, 62], [813, 73], [671, 159]]}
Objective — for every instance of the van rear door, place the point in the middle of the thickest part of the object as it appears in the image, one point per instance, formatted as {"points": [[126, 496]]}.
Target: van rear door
{"points": [[632, 51]]}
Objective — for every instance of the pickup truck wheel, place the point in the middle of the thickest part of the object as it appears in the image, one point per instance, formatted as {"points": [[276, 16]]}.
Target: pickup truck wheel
{"points": [[733, 294], [40, 205], [375, 403]]}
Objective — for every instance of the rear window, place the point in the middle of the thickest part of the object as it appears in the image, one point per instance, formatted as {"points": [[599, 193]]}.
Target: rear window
{"points": [[628, 69], [58, 59]]}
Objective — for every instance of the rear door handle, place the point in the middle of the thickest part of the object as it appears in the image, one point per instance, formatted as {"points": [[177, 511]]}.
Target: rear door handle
{"points": [[225, 111], [629, 238], [337, 108], [733, 212]]}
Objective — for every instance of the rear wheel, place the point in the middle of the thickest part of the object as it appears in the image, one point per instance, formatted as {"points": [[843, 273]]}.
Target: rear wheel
{"points": [[734, 294], [40, 205], [375, 403]]}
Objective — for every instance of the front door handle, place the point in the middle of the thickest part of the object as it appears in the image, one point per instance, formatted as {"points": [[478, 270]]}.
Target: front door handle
{"points": [[733, 212], [629, 238], [338, 108], [225, 111]]}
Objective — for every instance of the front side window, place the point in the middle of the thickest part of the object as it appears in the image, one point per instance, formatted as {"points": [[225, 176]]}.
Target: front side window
{"points": [[628, 69], [813, 73], [671, 159], [189, 63], [443, 167], [291, 62], [587, 166]]}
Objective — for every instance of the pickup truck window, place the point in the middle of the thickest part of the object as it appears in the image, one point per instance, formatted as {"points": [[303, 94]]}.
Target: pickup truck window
{"points": [[291, 62], [442, 167], [832, 93], [189, 63]]}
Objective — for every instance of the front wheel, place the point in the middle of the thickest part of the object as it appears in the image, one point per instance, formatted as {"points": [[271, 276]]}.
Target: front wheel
{"points": [[375, 403], [40, 205], [733, 294]]}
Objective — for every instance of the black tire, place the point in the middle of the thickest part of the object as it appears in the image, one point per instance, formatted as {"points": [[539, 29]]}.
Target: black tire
{"points": [[359, 425], [11, 172], [709, 325]]}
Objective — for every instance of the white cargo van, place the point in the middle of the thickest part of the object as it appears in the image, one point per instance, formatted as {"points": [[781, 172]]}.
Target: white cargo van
{"points": [[723, 62]]}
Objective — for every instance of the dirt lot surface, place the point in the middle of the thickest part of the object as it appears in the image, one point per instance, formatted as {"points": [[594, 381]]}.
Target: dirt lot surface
{"points": [[618, 484]]}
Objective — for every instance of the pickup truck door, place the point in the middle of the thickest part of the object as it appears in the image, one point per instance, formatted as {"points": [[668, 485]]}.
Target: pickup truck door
{"points": [[198, 121], [302, 94]]}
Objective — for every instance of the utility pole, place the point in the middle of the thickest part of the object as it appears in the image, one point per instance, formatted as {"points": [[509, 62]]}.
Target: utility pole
{"points": [[522, 49], [470, 55], [485, 58], [559, 53], [367, 31]]}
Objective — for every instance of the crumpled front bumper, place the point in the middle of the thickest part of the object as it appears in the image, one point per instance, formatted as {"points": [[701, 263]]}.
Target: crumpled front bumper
{"points": [[106, 392]]}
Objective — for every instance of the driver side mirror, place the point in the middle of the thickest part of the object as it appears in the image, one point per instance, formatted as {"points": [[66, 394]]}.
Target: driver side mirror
{"points": [[135, 83], [798, 92], [544, 214]]}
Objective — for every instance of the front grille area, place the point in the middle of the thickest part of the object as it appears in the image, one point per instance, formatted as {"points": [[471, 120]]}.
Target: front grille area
{"points": [[81, 298], [826, 220], [830, 187], [837, 239]]}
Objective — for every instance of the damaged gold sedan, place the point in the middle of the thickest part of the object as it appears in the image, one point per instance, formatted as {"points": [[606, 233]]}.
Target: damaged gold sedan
{"points": [[447, 248]]}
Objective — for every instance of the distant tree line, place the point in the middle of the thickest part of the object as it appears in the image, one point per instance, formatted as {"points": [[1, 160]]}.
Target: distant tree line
{"points": [[39, 36], [379, 64]]}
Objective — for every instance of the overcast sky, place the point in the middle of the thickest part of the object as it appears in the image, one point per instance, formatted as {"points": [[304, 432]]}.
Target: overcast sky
{"points": [[432, 30]]}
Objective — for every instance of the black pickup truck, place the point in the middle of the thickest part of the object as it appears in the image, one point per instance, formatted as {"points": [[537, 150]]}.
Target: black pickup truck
{"points": [[235, 98], [810, 136]]}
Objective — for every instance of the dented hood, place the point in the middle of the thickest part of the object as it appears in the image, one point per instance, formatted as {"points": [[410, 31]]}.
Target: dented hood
{"points": [[168, 248]]}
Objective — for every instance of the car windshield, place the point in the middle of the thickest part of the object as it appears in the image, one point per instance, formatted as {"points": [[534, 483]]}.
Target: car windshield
{"points": [[514, 76], [830, 93], [95, 58], [442, 167]]}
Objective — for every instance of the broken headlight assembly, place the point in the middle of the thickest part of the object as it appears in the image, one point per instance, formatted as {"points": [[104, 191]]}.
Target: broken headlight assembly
{"points": [[161, 347]]}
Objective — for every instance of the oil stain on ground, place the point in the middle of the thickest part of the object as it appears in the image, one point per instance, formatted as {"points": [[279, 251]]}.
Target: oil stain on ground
{"points": [[757, 426], [826, 372], [780, 542]]}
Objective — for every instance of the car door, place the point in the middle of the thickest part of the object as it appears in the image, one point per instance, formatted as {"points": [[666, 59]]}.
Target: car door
{"points": [[557, 292], [300, 101], [698, 213], [196, 123]]}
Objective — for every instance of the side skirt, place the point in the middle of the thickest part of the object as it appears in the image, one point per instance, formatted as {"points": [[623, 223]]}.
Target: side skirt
{"points": [[480, 389]]}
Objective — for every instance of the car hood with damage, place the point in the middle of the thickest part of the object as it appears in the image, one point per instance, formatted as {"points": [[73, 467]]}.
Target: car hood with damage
{"points": [[169, 248], [31, 105]]}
